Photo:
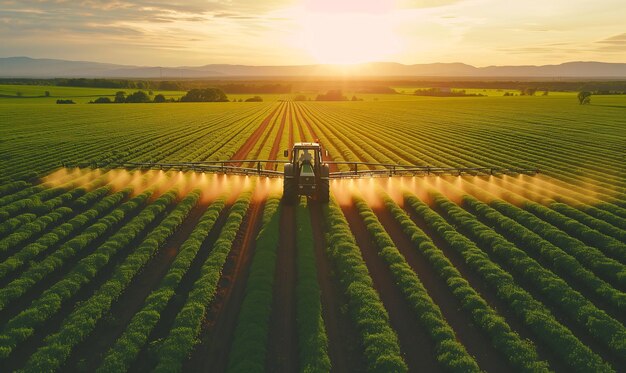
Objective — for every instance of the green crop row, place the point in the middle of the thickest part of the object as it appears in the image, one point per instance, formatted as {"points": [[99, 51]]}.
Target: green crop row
{"points": [[312, 338], [380, 343], [68, 250], [562, 262], [10, 225], [593, 223], [572, 303], [49, 303], [532, 313], [184, 333], [591, 257], [519, 353], [60, 233], [82, 321], [11, 187], [129, 344], [33, 228], [249, 349], [451, 354]]}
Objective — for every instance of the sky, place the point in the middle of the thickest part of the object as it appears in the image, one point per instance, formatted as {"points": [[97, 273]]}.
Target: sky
{"points": [[296, 32]]}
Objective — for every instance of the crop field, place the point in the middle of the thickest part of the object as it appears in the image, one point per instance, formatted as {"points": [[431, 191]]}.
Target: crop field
{"points": [[113, 270]]}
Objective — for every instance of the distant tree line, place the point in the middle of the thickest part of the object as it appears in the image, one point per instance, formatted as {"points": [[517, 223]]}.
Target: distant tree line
{"points": [[332, 95], [360, 85], [440, 92], [193, 95], [161, 85]]}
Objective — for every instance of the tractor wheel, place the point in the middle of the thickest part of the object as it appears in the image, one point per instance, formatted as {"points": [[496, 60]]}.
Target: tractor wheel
{"points": [[290, 193], [323, 193]]}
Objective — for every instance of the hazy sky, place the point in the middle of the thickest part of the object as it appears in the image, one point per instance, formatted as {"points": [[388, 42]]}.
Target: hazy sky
{"points": [[277, 32]]}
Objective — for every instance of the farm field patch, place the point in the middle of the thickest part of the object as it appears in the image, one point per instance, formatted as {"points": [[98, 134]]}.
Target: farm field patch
{"points": [[159, 270]]}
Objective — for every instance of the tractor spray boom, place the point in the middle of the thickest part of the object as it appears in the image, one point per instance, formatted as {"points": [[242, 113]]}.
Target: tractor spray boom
{"points": [[306, 172]]}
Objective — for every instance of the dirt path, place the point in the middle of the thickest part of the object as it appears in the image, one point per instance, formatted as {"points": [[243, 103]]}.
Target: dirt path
{"points": [[243, 151], [211, 355], [132, 299], [415, 344], [343, 343], [283, 336], [475, 341], [276, 144]]}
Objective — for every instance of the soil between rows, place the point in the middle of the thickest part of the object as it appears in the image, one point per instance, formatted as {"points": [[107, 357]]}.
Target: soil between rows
{"points": [[283, 338], [211, 354], [344, 347], [92, 350], [475, 341]]}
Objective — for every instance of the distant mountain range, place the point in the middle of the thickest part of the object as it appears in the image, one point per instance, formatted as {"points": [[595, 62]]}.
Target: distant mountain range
{"points": [[25, 67]]}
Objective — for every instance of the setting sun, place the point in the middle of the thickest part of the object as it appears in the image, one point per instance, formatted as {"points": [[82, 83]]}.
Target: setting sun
{"points": [[348, 33]]}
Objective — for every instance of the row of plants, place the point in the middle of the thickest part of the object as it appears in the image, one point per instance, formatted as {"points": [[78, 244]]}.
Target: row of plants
{"points": [[608, 245], [531, 312], [83, 320], [187, 324], [312, 338], [248, 352], [39, 271], [451, 354], [56, 213], [60, 233], [136, 142], [446, 144], [572, 303], [520, 353], [127, 347], [591, 257], [380, 344], [22, 326], [33, 228], [561, 262], [602, 226]]}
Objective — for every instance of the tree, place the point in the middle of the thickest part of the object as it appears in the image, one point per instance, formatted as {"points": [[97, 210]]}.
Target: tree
{"points": [[46, 93], [254, 99], [102, 100], [332, 95], [138, 97], [205, 95], [584, 97], [159, 98], [120, 97]]}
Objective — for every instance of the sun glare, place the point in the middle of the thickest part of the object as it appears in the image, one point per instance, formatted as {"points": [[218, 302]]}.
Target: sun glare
{"points": [[348, 32]]}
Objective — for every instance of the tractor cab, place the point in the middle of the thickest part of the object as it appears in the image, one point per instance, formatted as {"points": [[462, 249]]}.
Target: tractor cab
{"points": [[306, 174]]}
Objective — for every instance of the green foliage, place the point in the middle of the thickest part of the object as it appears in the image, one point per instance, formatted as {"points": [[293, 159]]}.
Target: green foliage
{"points": [[380, 343], [255, 99], [533, 313], [521, 354], [184, 332], [138, 97], [205, 95], [584, 97], [451, 354], [127, 347], [571, 303], [249, 348], [312, 338], [84, 318]]}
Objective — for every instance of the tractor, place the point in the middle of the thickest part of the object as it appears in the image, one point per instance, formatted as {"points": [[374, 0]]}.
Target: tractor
{"points": [[306, 174]]}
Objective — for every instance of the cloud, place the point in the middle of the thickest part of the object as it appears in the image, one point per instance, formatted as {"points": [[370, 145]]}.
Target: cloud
{"points": [[617, 40]]}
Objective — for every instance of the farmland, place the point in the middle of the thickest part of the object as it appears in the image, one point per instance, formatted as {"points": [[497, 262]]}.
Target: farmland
{"points": [[112, 270]]}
